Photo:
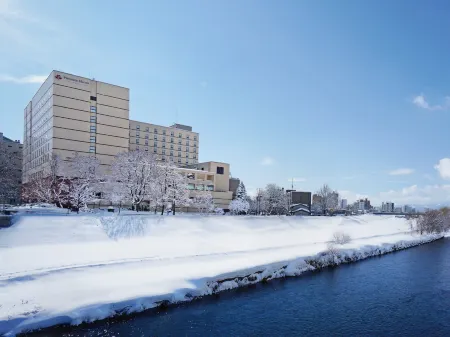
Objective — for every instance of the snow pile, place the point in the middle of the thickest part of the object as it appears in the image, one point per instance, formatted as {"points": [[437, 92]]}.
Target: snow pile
{"points": [[69, 269]]}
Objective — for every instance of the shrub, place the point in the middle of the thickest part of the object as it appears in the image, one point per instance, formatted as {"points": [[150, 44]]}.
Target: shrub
{"points": [[341, 238], [433, 221]]}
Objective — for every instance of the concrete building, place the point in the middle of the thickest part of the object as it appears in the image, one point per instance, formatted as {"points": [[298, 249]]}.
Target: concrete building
{"points": [[234, 184], [211, 176], [177, 143], [15, 148], [74, 114], [299, 202], [387, 207], [343, 204]]}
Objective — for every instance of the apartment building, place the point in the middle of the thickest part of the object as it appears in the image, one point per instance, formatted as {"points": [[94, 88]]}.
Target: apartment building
{"points": [[177, 143], [74, 114], [12, 150]]}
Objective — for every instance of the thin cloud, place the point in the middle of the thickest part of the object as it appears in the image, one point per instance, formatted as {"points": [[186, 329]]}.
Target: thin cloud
{"points": [[267, 161], [401, 172], [421, 102], [443, 167], [30, 79]]}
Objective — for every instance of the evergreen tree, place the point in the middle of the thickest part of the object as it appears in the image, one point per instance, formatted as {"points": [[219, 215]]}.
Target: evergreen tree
{"points": [[241, 193]]}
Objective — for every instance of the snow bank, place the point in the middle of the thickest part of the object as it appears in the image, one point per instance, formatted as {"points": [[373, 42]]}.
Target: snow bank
{"points": [[71, 269]]}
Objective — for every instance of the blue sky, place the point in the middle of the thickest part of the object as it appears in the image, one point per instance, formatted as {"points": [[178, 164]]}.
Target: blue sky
{"points": [[351, 93]]}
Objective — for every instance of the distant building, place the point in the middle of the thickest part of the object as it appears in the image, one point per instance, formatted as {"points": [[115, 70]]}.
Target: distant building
{"points": [[234, 184], [343, 204], [13, 147], [398, 210], [361, 205], [299, 202], [316, 199], [387, 207], [367, 205], [408, 209]]}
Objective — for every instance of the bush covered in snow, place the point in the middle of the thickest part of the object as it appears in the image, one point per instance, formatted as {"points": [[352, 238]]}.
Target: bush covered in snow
{"points": [[341, 238]]}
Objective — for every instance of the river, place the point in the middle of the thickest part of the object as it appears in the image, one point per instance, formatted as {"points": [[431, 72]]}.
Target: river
{"points": [[406, 293]]}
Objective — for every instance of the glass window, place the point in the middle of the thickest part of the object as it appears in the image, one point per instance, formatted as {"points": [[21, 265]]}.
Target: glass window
{"points": [[164, 139], [179, 135], [171, 147], [93, 98], [155, 131], [164, 146], [179, 148], [199, 187], [155, 138], [187, 142], [93, 108], [138, 127], [147, 129], [163, 158], [92, 139], [137, 148], [179, 142], [195, 150], [164, 132], [187, 149], [179, 154], [191, 186], [187, 155], [137, 140], [187, 137], [91, 149], [179, 160], [163, 151], [154, 150], [171, 133], [220, 170], [171, 140], [195, 144], [171, 153], [195, 137], [195, 157], [137, 134], [210, 187], [146, 148], [146, 142], [93, 128], [154, 144], [146, 136]]}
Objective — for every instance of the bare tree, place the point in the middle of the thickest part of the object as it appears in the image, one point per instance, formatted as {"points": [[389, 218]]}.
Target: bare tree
{"points": [[9, 176], [433, 221], [341, 238], [203, 201], [326, 199], [132, 179], [83, 180]]}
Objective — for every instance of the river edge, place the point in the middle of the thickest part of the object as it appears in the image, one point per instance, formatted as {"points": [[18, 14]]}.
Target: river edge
{"points": [[284, 269]]}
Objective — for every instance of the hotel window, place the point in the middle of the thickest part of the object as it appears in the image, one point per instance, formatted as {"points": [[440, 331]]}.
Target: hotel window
{"points": [[164, 132], [93, 98], [187, 142], [171, 147], [146, 142], [171, 133], [147, 129], [164, 139], [187, 137], [155, 138], [179, 142], [137, 134], [163, 151], [171, 140], [179, 148], [191, 186], [91, 149], [179, 135], [146, 136], [154, 150], [137, 148], [155, 131], [179, 154], [137, 140], [138, 127], [146, 148], [93, 128], [164, 146], [92, 139], [171, 153], [195, 144], [195, 137], [219, 170], [187, 148], [93, 108]]}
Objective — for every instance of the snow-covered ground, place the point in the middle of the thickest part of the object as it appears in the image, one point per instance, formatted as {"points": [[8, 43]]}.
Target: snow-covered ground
{"points": [[69, 269]]}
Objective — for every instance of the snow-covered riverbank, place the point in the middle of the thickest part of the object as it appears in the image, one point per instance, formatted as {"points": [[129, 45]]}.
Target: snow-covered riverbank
{"points": [[70, 269]]}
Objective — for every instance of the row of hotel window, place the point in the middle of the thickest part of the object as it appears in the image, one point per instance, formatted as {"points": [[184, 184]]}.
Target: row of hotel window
{"points": [[155, 144], [201, 187], [155, 130], [163, 139], [164, 152]]}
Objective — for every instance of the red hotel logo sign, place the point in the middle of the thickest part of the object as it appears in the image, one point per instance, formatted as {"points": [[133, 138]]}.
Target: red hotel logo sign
{"points": [[58, 77]]}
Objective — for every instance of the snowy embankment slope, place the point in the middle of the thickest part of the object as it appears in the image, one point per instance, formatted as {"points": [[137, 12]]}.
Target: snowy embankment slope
{"points": [[69, 269]]}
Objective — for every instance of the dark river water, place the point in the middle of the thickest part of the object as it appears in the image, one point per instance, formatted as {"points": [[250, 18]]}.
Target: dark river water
{"points": [[401, 294]]}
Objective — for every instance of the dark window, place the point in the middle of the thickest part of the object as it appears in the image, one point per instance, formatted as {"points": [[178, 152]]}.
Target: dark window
{"points": [[220, 170], [93, 98]]}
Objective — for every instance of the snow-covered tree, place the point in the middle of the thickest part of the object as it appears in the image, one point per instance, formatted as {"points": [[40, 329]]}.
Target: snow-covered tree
{"points": [[133, 178], [83, 180], [326, 199], [274, 200], [239, 206], [50, 186], [171, 187], [203, 201], [241, 193]]}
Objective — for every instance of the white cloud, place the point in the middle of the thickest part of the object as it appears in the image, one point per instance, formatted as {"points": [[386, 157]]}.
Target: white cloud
{"points": [[24, 80], [267, 161], [401, 172], [421, 102], [443, 168], [351, 196], [297, 180]]}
